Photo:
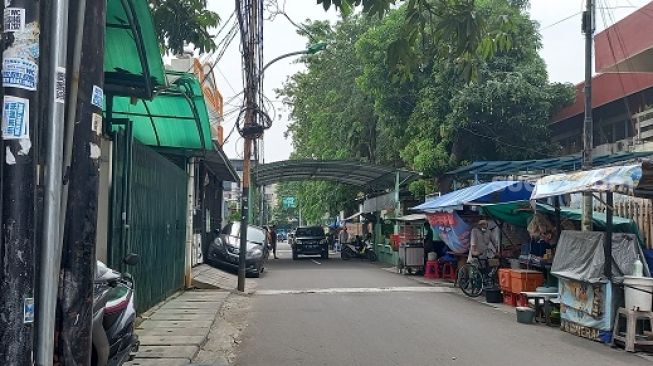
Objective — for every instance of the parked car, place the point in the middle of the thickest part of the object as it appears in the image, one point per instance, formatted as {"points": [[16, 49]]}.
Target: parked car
{"points": [[310, 240], [281, 236], [225, 248]]}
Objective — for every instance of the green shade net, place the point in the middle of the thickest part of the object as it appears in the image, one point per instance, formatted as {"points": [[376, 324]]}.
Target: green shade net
{"points": [[520, 214], [123, 65], [175, 118]]}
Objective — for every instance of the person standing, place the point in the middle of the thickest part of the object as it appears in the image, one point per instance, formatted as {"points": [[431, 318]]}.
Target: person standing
{"points": [[343, 237], [429, 245], [273, 240]]}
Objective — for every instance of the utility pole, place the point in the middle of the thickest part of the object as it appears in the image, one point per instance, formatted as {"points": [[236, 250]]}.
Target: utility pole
{"points": [[18, 179], [588, 124], [250, 19], [81, 178]]}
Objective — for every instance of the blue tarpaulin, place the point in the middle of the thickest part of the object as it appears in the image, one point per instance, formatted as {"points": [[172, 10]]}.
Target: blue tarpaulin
{"points": [[481, 194]]}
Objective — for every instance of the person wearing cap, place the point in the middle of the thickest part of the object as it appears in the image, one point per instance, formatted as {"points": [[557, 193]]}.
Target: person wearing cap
{"points": [[482, 242]]}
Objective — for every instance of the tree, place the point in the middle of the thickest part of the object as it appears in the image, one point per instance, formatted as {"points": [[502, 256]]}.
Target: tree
{"points": [[180, 22]]}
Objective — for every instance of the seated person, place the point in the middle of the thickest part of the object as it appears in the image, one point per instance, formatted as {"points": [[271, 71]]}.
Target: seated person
{"points": [[538, 247]]}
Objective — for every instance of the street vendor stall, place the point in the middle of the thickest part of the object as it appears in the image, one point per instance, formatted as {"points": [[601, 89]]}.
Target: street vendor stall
{"points": [[409, 242], [591, 265]]}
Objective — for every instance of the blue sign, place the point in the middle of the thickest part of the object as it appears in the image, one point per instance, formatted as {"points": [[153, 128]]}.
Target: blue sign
{"points": [[15, 119], [97, 99], [28, 310]]}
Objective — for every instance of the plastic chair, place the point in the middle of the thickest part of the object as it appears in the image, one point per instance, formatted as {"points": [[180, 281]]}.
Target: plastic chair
{"points": [[432, 270], [448, 271]]}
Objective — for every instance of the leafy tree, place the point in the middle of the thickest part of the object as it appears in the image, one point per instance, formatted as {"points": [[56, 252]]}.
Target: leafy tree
{"points": [[179, 22]]}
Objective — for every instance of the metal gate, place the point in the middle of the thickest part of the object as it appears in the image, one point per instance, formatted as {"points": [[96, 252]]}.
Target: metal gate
{"points": [[148, 216]]}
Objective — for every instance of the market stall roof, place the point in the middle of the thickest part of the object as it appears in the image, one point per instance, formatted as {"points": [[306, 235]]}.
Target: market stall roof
{"points": [[563, 163], [132, 60], [480, 194], [520, 213], [620, 179], [413, 217], [175, 118], [365, 175]]}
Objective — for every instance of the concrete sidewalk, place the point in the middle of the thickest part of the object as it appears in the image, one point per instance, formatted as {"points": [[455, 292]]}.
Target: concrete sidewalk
{"points": [[207, 277], [173, 333]]}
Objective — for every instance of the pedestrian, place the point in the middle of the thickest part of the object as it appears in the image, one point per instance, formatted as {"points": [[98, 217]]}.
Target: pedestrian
{"points": [[343, 237], [273, 240], [482, 243], [429, 245]]}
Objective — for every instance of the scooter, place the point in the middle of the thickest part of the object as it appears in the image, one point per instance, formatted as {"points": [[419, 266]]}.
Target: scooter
{"points": [[114, 315], [358, 249]]}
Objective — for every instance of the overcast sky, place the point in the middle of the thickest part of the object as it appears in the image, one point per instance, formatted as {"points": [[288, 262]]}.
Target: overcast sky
{"points": [[563, 49]]}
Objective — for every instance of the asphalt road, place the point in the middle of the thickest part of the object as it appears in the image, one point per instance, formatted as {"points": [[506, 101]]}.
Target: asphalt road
{"points": [[314, 312]]}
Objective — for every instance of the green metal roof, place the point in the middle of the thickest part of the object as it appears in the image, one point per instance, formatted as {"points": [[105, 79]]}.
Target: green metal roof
{"points": [[174, 118], [132, 60], [365, 175], [560, 164]]}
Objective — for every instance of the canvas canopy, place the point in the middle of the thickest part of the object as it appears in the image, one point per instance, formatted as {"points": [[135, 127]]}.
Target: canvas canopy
{"points": [[481, 194], [620, 179]]}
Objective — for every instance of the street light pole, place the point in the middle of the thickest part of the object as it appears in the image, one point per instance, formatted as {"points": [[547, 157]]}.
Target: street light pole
{"points": [[312, 49]]}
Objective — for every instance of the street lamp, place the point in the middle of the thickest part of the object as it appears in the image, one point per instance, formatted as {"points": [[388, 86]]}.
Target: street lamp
{"points": [[311, 50]]}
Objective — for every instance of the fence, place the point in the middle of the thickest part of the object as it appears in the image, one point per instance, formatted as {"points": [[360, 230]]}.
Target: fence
{"points": [[639, 210]]}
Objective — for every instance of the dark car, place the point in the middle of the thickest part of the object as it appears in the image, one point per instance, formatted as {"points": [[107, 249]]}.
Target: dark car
{"points": [[225, 248], [281, 236], [310, 241]]}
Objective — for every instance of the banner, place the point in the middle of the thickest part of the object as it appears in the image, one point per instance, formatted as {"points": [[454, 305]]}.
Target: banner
{"points": [[452, 230]]}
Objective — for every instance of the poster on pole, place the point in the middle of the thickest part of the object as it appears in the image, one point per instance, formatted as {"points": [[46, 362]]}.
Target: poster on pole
{"points": [[19, 73], [15, 118]]}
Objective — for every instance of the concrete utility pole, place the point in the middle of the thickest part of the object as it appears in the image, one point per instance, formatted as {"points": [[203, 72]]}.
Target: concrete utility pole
{"points": [[588, 124], [251, 27], [81, 179], [20, 129]]}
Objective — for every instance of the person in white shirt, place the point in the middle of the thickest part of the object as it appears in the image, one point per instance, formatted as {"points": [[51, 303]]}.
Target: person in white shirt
{"points": [[343, 237], [482, 242]]}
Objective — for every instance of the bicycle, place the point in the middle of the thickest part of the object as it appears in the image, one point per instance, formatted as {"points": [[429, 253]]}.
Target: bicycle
{"points": [[473, 278]]}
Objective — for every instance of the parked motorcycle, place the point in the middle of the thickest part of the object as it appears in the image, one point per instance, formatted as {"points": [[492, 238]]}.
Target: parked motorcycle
{"points": [[358, 249], [114, 315]]}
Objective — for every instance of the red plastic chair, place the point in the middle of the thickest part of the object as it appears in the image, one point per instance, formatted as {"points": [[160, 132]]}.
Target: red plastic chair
{"points": [[432, 270]]}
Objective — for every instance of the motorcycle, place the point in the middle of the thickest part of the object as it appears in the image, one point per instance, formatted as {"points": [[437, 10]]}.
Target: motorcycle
{"points": [[114, 315], [358, 249]]}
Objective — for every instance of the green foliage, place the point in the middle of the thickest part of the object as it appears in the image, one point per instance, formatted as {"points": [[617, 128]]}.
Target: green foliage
{"points": [[349, 103], [179, 22]]}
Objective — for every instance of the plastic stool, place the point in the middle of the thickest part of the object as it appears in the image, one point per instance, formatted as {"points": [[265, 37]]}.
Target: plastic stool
{"points": [[448, 271], [629, 338], [432, 269]]}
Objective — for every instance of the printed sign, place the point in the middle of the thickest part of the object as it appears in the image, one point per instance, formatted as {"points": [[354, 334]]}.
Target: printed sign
{"points": [[15, 119], [289, 202], [14, 19], [60, 86], [97, 99], [19, 73], [28, 310], [96, 123]]}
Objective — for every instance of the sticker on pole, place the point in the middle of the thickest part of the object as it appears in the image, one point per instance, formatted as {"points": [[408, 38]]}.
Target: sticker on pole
{"points": [[28, 310], [19, 73], [96, 123], [97, 98], [15, 118], [60, 85], [14, 20]]}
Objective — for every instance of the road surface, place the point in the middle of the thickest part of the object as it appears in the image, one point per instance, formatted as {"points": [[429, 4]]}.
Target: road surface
{"points": [[315, 312]]}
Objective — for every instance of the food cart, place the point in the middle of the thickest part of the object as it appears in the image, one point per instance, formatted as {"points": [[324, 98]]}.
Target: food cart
{"points": [[591, 265], [410, 243]]}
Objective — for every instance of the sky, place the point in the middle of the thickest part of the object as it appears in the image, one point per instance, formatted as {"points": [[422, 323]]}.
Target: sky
{"points": [[562, 50]]}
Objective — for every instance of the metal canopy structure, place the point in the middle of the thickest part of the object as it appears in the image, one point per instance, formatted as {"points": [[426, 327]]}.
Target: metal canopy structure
{"points": [[355, 173], [561, 164]]}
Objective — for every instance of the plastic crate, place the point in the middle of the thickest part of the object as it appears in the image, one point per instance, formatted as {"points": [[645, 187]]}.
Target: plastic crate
{"points": [[525, 280], [509, 298], [504, 279]]}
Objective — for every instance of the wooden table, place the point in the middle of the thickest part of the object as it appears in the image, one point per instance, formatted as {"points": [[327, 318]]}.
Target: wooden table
{"points": [[546, 298]]}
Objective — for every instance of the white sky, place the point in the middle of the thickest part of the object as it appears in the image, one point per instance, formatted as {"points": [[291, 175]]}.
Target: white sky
{"points": [[563, 50]]}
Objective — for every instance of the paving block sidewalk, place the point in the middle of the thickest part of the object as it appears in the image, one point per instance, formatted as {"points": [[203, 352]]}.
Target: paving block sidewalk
{"points": [[172, 334]]}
